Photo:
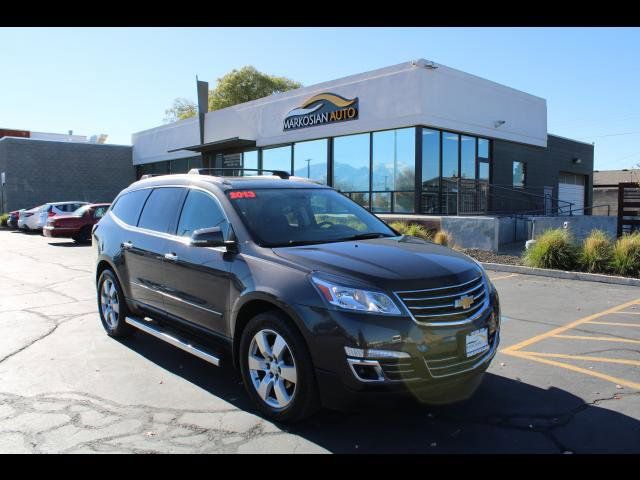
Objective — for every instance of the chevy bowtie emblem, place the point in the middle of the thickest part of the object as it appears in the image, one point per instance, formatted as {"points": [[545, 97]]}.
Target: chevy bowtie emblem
{"points": [[464, 302]]}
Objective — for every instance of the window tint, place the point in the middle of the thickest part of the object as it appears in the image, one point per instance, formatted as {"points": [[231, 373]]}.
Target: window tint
{"points": [[199, 211], [161, 210], [129, 205]]}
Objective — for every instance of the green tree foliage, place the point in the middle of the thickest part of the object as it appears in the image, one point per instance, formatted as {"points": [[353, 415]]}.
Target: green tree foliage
{"points": [[181, 109], [246, 84], [237, 86]]}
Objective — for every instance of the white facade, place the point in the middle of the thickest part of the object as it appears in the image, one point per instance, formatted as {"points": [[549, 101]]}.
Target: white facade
{"points": [[58, 137], [408, 94]]}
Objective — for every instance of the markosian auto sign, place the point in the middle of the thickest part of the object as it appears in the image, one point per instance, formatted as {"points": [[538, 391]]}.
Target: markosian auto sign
{"points": [[322, 109]]}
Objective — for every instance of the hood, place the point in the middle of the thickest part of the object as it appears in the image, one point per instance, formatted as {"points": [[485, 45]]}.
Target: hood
{"points": [[398, 263]]}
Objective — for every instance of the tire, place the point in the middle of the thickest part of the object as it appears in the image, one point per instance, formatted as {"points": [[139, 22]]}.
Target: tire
{"points": [[113, 318], [282, 401], [83, 236]]}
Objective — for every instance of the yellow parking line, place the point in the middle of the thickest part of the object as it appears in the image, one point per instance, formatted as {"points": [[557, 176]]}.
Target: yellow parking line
{"points": [[617, 324], [569, 326], [593, 373], [505, 276], [598, 339], [585, 357]]}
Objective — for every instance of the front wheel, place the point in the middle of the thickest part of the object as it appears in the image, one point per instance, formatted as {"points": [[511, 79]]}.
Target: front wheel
{"points": [[276, 368], [112, 305]]}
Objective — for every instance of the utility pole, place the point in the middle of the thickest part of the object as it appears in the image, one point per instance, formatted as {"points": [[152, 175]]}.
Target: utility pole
{"points": [[308, 160]]}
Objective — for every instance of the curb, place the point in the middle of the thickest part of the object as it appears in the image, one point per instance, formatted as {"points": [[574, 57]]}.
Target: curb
{"points": [[544, 272]]}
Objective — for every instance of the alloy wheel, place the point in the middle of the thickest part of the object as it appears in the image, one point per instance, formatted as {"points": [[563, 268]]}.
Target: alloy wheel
{"points": [[272, 369], [109, 303]]}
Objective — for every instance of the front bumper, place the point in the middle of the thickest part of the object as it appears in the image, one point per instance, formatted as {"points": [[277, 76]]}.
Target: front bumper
{"points": [[435, 367]]}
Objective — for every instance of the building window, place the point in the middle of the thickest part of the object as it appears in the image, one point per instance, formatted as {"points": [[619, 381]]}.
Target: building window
{"points": [[430, 171], [351, 167], [393, 171], [483, 148], [468, 157], [250, 160], [519, 174], [310, 160], [450, 155], [180, 165], [278, 158], [483, 171]]}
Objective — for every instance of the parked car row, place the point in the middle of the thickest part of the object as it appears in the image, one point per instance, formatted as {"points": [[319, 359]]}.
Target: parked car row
{"points": [[60, 219]]}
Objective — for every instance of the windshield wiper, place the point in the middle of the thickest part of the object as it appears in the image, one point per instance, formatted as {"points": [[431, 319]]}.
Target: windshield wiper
{"points": [[365, 236]]}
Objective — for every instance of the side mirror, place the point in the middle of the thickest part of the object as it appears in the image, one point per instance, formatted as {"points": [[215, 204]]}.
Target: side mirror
{"points": [[208, 237]]}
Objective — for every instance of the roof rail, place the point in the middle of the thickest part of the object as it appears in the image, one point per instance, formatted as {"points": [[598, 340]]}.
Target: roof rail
{"points": [[278, 173]]}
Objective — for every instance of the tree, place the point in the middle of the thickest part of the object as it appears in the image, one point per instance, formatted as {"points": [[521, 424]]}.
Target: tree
{"points": [[181, 109], [237, 86], [246, 84]]}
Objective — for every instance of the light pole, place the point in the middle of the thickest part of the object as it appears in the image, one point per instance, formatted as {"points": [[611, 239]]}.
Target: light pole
{"points": [[308, 160]]}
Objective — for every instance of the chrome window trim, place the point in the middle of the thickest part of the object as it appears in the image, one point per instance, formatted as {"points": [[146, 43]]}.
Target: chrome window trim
{"points": [[168, 236]]}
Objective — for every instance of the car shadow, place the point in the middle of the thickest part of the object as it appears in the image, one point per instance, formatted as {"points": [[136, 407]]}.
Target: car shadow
{"points": [[69, 244], [504, 415]]}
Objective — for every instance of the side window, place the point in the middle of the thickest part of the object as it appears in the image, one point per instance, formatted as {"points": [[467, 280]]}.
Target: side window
{"points": [[99, 212], [129, 205], [200, 211], [161, 210]]}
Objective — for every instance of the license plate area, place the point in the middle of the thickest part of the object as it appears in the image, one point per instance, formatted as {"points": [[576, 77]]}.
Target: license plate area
{"points": [[476, 342]]}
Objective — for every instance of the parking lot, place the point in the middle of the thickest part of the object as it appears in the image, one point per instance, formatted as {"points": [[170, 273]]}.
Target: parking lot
{"points": [[566, 380]]}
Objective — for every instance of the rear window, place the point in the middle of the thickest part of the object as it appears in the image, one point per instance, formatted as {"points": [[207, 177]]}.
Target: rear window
{"points": [[129, 206], [160, 212]]}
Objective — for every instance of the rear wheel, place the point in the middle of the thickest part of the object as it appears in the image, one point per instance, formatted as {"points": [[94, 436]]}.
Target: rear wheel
{"points": [[83, 236], [112, 305], [276, 368]]}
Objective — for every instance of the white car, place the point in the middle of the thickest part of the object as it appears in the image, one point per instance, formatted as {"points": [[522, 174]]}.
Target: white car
{"points": [[27, 216], [39, 217]]}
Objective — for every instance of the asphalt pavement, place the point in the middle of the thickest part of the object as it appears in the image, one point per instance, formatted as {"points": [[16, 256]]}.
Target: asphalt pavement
{"points": [[566, 378]]}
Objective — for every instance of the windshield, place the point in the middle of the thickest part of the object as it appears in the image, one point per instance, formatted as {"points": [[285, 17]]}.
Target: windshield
{"points": [[81, 211], [288, 217]]}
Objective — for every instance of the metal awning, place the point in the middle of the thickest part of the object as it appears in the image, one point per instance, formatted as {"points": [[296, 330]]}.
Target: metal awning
{"points": [[220, 145]]}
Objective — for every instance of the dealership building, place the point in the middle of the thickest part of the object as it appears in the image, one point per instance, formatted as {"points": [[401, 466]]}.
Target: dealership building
{"points": [[413, 138]]}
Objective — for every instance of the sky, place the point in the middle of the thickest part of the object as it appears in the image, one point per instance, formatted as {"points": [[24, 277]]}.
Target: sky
{"points": [[120, 80]]}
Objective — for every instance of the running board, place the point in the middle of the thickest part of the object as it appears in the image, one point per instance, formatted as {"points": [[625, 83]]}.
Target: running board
{"points": [[171, 338]]}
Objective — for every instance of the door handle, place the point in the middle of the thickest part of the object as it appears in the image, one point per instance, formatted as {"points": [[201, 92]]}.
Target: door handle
{"points": [[127, 245], [171, 256]]}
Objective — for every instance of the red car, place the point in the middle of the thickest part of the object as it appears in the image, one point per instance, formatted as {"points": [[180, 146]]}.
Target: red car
{"points": [[77, 225]]}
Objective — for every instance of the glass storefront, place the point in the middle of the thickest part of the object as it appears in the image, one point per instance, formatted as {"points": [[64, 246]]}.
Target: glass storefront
{"points": [[351, 160], [278, 158], [393, 171], [310, 160], [378, 169]]}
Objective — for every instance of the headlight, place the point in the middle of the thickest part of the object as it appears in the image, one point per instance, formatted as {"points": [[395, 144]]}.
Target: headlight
{"points": [[350, 298]]}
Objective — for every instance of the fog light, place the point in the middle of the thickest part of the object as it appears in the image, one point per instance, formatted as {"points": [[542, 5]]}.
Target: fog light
{"points": [[374, 353]]}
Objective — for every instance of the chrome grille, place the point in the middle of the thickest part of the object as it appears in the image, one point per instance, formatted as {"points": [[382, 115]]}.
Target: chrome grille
{"points": [[440, 305]]}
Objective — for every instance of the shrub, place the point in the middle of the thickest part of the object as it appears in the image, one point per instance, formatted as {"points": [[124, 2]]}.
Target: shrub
{"points": [[411, 229], [553, 249], [442, 237], [626, 255], [596, 252], [4, 218]]}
